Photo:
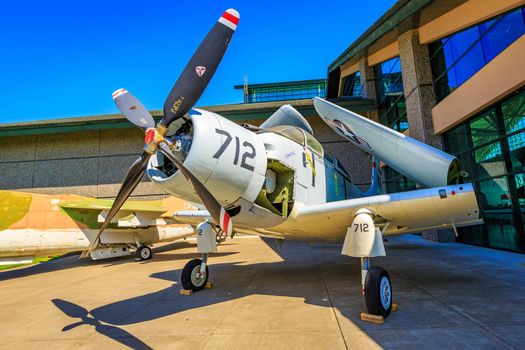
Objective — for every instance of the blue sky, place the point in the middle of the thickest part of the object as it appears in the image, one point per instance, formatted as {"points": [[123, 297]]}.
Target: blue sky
{"points": [[65, 58]]}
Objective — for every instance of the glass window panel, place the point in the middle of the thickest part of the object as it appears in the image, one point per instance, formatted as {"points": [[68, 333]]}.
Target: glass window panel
{"points": [[469, 64], [484, 128], [514, 113], [489, 161], [389, 87], [506, 30], [466, 52], [500, 229], [461, 41], [517, 151], [520, 190], [456, 140], [494, 194], [449, 60], [467, 164], [391, 66]]}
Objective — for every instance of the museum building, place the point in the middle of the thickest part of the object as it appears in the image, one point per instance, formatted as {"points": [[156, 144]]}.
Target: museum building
{"points": [[451, 74]]}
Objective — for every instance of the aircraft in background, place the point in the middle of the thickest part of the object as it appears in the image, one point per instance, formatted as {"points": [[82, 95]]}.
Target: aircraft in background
{"points": [[36, 225], [275, 180]]}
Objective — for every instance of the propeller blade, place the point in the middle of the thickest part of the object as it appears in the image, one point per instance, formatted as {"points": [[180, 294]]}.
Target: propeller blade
{"points": [[132, 109], [131, 181], [73, 325], [200, 69], [217, 212], [70, 309]]}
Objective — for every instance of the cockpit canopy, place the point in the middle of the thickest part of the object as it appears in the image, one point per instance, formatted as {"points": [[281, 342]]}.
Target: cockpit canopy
{"points": [[297, 135]]}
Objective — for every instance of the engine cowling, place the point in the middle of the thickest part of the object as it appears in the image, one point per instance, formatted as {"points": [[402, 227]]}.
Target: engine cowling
{"points": [[227, 158]]}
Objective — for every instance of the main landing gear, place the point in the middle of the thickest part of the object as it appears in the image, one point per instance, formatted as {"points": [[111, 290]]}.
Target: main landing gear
{"points": [[143, 253], [377, 289], [364, 240]]}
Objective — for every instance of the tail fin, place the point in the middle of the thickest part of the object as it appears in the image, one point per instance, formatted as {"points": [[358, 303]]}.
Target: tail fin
{"points": [[375, 185]]}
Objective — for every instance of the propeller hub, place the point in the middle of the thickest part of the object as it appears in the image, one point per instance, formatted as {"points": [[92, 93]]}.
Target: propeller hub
{"points": [[150, 135], [152, 138]]}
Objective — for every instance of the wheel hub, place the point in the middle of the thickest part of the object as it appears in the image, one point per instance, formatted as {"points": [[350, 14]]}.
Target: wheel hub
{"points": [[197, 278], [385, 292]]}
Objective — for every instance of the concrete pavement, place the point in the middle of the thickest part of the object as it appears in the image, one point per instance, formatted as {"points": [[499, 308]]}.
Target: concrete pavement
{"points": [[300, 296]]}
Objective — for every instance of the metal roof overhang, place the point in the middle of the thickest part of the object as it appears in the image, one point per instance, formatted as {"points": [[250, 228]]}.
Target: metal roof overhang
{"points": [[401, 10], [235, 112]]}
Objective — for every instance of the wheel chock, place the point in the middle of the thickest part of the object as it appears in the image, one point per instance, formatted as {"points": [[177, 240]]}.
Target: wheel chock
{"points": [[185, 292], [208, 285], [395, 307], [372, 318]]}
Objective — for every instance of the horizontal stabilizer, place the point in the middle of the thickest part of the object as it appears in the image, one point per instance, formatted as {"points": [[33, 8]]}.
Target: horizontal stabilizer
{"points": [[422, 163]]}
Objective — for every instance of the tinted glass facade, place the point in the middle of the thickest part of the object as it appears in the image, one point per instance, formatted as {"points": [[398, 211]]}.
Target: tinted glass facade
{"points": [[390, 96], [284, 91], [456, 58], [395, 182], [351, 85], [392, 113], [491, 148]]}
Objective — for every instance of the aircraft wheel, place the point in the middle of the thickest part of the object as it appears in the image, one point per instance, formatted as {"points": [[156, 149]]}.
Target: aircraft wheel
{"points": [[144, 253], [191, 278], [378, 292]]}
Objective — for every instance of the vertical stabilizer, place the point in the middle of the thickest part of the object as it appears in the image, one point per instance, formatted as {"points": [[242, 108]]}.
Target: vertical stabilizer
{"points": [[375, 183]]}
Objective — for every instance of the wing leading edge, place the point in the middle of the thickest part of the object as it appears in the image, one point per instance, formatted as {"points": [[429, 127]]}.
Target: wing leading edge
{"points": [[405, 212]]}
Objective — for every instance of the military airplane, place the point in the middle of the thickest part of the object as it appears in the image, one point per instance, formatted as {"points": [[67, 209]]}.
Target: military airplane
{"points": [[275, 179], [36, 225]]}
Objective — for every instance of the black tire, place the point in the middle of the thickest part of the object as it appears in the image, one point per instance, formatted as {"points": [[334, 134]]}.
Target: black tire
{"points": [[188, 276], [144, 253], [378, 292]]}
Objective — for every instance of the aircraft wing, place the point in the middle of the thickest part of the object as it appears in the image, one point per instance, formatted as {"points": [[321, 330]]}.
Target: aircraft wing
{"points": [[132, 213], [399, 213], [422, 163], [105, 204]]}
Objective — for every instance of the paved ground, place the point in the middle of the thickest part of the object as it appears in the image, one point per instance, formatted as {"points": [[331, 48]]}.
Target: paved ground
{"points": [[451, 296]]}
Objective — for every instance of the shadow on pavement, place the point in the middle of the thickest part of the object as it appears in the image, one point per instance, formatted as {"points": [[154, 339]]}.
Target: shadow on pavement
{"points": [[72, 260], [322, 277]]}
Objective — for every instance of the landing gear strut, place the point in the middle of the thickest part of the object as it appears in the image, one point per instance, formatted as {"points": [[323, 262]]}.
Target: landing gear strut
{"points": [[195, 274], [377, 289]]}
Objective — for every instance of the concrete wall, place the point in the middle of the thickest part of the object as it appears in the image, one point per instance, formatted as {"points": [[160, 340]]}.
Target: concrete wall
{"points": [[93, 163]]}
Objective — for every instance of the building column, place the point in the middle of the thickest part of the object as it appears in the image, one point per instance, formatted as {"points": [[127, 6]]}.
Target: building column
{"points": [[418, 88], [420, 98], [368, 85]]}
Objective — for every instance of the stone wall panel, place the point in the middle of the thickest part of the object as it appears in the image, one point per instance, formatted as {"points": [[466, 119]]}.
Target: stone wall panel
{"points": [[65, 172], [70, 145], [18, 148]]}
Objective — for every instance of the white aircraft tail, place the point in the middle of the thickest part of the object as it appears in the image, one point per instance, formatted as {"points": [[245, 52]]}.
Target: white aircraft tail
{"points": [[424, 164]]}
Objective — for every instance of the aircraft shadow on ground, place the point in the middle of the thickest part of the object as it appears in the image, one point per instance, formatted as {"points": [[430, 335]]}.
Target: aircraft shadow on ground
{"points": [[237, 280], [116, 333], [72, 260], [234, 283]]}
